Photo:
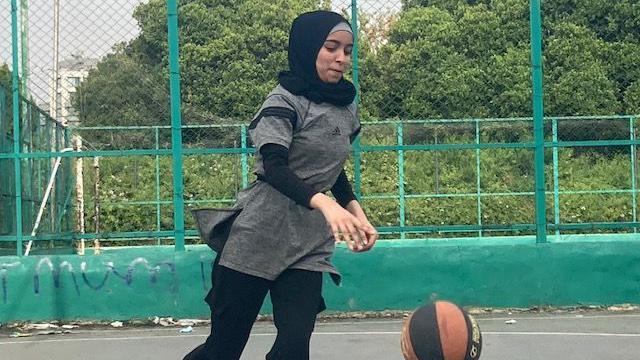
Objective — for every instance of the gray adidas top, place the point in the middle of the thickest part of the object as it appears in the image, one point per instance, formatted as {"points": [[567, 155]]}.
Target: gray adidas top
{"points": [[267, 231]]}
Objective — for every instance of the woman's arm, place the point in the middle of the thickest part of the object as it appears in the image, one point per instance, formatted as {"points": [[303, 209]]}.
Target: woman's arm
{"points": [[277, 173], [342, 190], [344, 225]]}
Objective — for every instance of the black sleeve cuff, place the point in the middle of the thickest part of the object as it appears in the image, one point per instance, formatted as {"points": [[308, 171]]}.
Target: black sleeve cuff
{"points": [[277, 173], [342, 191]]}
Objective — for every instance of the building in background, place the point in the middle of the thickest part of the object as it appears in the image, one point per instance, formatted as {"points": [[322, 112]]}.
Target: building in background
{"points": [[71, 72]]}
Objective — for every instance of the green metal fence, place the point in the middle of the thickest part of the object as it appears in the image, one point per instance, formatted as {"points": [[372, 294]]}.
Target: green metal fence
{"points": [[39, 133], [476, 159]]}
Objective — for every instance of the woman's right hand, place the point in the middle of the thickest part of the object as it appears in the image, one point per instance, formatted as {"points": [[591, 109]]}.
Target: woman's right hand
{"points": [[344, 225]]}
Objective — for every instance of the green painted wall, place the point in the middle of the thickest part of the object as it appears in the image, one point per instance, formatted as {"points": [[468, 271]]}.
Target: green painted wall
{"points": [[127, 283]]}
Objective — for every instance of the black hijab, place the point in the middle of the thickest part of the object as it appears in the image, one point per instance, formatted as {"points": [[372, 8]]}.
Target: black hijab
{"points": [[308, 34]]}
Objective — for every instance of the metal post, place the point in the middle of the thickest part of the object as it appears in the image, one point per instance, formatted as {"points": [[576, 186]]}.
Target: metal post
{"points": [[96, 203], [357, 155], [556, 178], [436, 162], [176, 125], [39, 142], [401, 193], [47, 169], [80, 224], [53, 107], [57, 188], [5, 206], [538, 120], [158, 225], [24, 36], [27, 135], [478, 188], [69, 181], [632, 137], [356, 68], [15, 85]]}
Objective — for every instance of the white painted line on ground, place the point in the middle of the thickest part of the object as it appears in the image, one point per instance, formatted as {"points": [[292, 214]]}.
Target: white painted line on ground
{"points": [[559, 317], [484, 319], [535, 333], [337, 333]]}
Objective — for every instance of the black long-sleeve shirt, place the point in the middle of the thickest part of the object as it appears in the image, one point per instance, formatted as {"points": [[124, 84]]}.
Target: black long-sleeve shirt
{"points": [[281, 177]]}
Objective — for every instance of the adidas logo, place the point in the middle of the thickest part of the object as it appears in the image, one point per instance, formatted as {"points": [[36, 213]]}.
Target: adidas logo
{"points": [[336, 131]]}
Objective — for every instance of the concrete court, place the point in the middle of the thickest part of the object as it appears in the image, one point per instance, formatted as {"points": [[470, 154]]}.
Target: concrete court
{"points": [[599, 336]]}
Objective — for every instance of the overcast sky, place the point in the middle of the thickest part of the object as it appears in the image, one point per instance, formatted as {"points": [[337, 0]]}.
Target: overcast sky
{"points": [[92, 28], [88, 27]]}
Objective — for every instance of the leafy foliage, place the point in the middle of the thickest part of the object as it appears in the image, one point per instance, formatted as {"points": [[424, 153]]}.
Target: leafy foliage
{"points": [[471, 58]]}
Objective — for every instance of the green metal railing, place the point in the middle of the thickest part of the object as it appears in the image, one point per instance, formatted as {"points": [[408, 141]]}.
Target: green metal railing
{"points": [[475, 143]]}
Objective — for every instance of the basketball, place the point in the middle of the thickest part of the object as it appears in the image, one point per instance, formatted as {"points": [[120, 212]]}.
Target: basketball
{"points": [[441, 331]]}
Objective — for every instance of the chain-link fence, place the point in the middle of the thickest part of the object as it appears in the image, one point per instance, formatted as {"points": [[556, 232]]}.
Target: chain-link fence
{"points": [[58, 44], [445, 96], [38, 175]]}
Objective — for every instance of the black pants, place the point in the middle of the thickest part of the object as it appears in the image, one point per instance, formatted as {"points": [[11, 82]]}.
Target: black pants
{"points": [[236, 299]]}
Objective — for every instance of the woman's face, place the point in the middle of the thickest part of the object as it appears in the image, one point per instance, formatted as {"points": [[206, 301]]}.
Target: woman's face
{"points": [[334, 57]]}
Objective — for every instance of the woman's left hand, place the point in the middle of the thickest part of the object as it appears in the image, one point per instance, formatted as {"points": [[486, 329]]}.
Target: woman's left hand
{"points": [[371, 233]]}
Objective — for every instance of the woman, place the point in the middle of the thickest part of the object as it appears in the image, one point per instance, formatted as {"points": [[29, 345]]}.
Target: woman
{"points": [[281, 233]]}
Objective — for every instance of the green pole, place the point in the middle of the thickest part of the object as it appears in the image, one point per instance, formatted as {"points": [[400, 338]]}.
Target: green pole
{"points": [[556, 179], [401, 179], [15, 85], [4, 186], [27, 136], [538, 120], [478, 183], [632, 137], [176, 125], [24, 36], [58, 187], [354, 26], [157, 161], [357, 157], [47, 169], [68, 182], [38, 164]]}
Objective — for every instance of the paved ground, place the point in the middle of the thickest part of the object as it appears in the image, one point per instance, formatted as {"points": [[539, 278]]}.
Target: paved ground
{"points": [[601, 336]]}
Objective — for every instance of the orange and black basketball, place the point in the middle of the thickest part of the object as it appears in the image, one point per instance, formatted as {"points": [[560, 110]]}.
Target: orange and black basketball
{"points": [[441, 331]]}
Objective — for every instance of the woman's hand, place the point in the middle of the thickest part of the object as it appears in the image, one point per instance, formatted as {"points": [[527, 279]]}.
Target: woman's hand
{"points": [[344, 224], [371, 233]]}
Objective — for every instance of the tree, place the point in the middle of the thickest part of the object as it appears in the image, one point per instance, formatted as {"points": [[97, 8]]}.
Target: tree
{"points": [[576, 75], [624, 70], [426, 70], [510, 82], [472, 58], [6, 115], [122, 92], [5, 77], [230, 53], [441, 58], [632, 99], [612, 21]]}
